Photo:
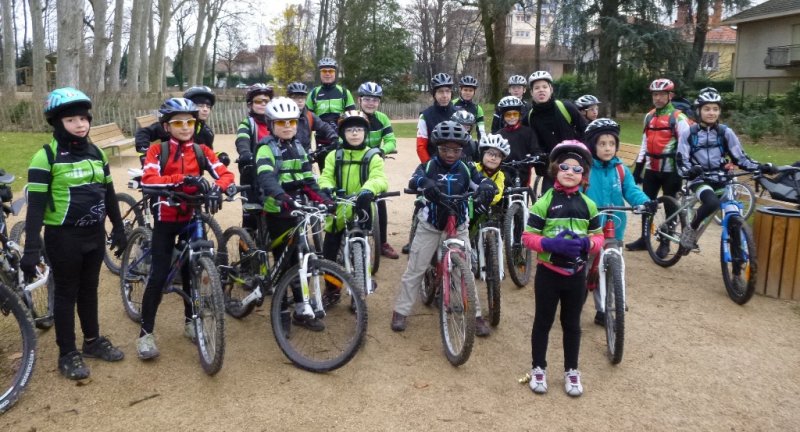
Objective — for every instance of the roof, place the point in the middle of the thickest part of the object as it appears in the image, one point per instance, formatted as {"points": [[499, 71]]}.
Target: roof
{"points": [[766, 10], [721, 35]]}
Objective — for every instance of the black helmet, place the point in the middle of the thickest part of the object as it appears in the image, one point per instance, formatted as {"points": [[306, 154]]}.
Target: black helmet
{"points": [[259, 89], [353, 118], [296, 88], [201, 95], [468, 81], [174, 106], [450, 131], [441, 79], [599, 127]]}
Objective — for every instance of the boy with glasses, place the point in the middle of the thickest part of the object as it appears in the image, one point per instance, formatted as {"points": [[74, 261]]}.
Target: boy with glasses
{"points": [[328, 100]]}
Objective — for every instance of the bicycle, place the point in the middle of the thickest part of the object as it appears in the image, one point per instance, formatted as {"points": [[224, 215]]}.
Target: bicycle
{"points": [[487, 259], [17, 348], [785, 186], [517, 201], [737, 246], [197, 252], [248, 276], [453, 285]]}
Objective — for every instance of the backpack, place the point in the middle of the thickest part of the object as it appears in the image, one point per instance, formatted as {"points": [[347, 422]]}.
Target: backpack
{"points": [[685, 106], [784, 187], [202, 161], [51, 160], [364, 162], [722, 142], [277, 153]]}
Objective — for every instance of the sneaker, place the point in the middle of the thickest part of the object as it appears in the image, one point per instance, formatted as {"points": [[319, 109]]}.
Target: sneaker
{"points": [[388, 251], [572, 383], [103, 349], [638, 245], [72, 366], [309, 322], [538, 383], [406, 248], [688, 239], [481, 328], [331, 296], [398, 322], [663, 250], [146, 347], [600, 318], [189, 331]]}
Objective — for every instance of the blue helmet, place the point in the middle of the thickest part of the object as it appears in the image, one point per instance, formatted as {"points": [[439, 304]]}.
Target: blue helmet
{"points": [[174, 106], [370, 88], [63, 98]]}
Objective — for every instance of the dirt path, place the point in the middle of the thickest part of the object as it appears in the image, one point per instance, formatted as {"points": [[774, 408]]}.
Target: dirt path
{"points": [[693, 361]]}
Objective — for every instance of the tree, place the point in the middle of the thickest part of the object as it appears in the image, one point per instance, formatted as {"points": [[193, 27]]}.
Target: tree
{"points": [[70, 42], [134, 44], [194, 60], [9, 53], [323, 29], [100, 45], [230, 47], [116, 46], [427, 21], [145, 47], [290, 62], [38, 65]]}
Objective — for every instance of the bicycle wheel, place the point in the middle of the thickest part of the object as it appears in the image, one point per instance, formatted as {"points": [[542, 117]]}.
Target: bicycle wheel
{"points": [[17, 348], [359, 268], [135, 272], [132, 217], [240, 275], [427, 289], [745, 195], [738, 259], [663, 233], [537, 189], [209, 308], [457, 316], [345, 327], [210, 225], [492, 303], [615, 307], [518, 257], [40, 300], [414, 222], [375, 241]]}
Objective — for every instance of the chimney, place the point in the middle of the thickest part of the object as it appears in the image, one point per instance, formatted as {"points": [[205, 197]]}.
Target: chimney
{"points": [[684, 14], [716, 17]]}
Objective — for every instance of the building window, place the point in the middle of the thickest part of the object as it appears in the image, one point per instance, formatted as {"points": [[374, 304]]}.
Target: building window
{"points": [[710, 61], [522, 34]]}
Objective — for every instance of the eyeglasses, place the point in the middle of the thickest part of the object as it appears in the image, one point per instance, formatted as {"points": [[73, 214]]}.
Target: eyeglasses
{"points": [[286, 123], [494, 154], [449, 150], [511, 115], [260, 101], [328, 71], [577, 169], [371, 99], [354, 129], [182, 123]]}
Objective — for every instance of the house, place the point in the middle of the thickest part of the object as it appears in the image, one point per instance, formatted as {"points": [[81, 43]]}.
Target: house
{"points": [[769, 31], [248, 64], [719, 50]]}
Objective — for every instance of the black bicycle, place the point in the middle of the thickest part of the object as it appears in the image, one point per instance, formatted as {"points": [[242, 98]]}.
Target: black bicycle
{"points": [[17, 348]]}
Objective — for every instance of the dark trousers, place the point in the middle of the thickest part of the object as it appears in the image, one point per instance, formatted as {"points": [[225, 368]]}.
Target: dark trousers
{"points": [[163, 243], [550, 288], [75, 255], [247, 176], [384, 219], [330, 246], [669, 183]]}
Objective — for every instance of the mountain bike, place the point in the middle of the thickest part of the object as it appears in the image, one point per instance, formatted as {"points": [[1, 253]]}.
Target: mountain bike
{"points": [[517, 201], [17, 348], [248, 276], [737, 247], [487, 259], [785, 186]]}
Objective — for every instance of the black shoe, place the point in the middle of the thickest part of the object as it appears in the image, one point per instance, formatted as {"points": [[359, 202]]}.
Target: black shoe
{"points": [[600, 319], [406, 248], [312, 324], [481, 328], [72, 366], [103, 349], [638, 245], [331, 296], [663, 250], [398, 322]]}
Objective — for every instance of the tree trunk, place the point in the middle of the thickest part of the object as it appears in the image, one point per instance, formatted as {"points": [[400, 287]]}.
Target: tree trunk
{"points": [[607, 58], [157, 65], [39, 66], [195, 76], [537, 61], [700, 31], [213, 13], [100, 46], [134, 59], [322, 31], [9, 59], [116, 46], [144, 45], [70, 43]]}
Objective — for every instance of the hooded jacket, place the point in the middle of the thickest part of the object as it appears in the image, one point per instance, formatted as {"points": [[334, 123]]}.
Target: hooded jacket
{"points": [[605, 189]]}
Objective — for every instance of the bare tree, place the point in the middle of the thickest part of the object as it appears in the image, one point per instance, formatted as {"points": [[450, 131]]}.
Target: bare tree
{"points": [[100, 45], [134, 59], [195, 75], [144, 45], [232, 45], [214, 9], [116, 46], [38, 65], [323, 28], [427, 21], [9, 57], [70, 42], [166, 10]]}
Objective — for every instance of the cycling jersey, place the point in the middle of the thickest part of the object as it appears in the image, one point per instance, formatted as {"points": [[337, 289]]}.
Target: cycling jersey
{"points": [[381, 133], [428, 119], [308, 122], [703, 146], [660, 138], [499, 180], [283, 167], [328, 101], [523, 142], [144, 136], [476, 110]]}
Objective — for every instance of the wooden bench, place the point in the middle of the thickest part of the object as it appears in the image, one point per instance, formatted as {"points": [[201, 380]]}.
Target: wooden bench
{"points": [[764, 201], [109, 137], [145, 120], [628, 153]]}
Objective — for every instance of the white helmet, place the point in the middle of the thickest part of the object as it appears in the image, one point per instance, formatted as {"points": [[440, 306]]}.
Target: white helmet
{"points": [[540, 75], [496, 142], [282, 108], [586, 101], [517, 80]]}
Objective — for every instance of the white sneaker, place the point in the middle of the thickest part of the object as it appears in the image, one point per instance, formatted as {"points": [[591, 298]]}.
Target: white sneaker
{"points": [[538, 381], [189, 331], [572, 383], [146, 346]]}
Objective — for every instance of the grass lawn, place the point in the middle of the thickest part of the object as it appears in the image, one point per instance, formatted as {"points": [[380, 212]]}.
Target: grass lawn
{"points": [[17, 149]]}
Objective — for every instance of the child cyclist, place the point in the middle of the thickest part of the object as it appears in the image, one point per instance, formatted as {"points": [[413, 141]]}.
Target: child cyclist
{"points": [[493, 149], [587, 105], [445, 173], [348, 169], [70, 192], [563, 228], [284, 174], [441, 110], [521, 139], [517, 84], [467, 86], [467, 121], [182, 171], [610, 184], [308, 121], [704, 147]]}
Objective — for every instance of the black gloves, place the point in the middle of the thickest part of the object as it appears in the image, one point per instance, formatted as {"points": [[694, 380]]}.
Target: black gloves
{"points": [[119, 241], [286, 202], [485, 192], [638, 171], [364, 207], [245, 158], [28, 264], [214, 199], [694, 172], [767, 168], [651, 206], [430, 190]]}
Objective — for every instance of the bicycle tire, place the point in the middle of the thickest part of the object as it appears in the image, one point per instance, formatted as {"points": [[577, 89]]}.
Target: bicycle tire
{"points": [[359, 270], [413, 230], [211, 225], [518, 257], [209, 308], [745, 195], [536, 192], [345, 327], [427, 288], [135, 218], [135, 272], [492, 278], [740, 291], [41, 301], [615, 307], [18, 346], [242, 278], [457, 318], [375, 241], [658, 227]]}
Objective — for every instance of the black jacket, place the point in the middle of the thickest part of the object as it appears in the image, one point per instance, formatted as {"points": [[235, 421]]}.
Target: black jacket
{"points": [[550, 125]]}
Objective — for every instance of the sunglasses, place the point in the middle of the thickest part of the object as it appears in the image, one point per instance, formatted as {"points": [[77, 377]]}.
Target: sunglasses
{"points": [[354, 129], [182, 123], [577, 169], [449, 150], [286, 123], [260, 101], [511, 114], [328, 71]]}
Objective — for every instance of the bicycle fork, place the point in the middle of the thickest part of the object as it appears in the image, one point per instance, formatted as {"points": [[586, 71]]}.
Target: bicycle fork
{"points": [[319, 311]]}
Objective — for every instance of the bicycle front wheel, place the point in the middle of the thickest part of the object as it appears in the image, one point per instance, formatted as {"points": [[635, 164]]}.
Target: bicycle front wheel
{"points": [[492, 303], [615, 307], [457, 313], [374, 240], [357, 257], [40, 300], [738, 260], [743, 193], [518, 257], [135, 272], [345, 323], [663, 232], [209, 311], [17, 348], [132, 217], [240, 270]]}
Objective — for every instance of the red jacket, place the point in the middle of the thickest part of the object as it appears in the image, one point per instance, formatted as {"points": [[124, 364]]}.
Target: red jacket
{"points": [[174, 172]]}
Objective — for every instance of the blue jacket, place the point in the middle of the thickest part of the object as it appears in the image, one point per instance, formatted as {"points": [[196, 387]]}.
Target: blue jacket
{"points": [[605, 190]]}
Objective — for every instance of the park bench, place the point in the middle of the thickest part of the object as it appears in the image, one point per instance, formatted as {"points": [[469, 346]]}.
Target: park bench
{"points": [[109, 137], [628, 153], [145, 120]]}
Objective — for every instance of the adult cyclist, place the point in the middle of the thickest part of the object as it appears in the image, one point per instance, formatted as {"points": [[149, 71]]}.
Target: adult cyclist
{"points": [[441, 110], [328, 100]]}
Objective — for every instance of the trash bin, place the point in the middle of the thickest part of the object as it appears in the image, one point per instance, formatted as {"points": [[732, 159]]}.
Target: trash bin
{"points": [[777, 235]]}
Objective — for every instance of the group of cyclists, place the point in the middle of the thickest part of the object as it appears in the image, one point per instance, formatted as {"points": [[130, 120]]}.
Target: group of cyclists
{"points": [[70, 190]]}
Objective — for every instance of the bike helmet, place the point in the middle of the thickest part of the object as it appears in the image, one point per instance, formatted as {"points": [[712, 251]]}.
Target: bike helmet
{"points": [[708, 95], [538, 76], [259, 89], [64, 99], [572, 149], [370, 88], [282, 108], [463, 117], [353, 118], [586, 101], [174, 106], [441, 79], [468, 81], [510, 103], [296, 88], [496, 142], [450, 131], [517, 80], [201, 95], [662, 85], [327, 63], [599, 127]]}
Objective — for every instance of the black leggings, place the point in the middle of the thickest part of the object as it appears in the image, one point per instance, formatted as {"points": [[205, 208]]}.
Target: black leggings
{"points": [[75, 255], [709, 205], [163, 243], [655, 181], [550, 288]]}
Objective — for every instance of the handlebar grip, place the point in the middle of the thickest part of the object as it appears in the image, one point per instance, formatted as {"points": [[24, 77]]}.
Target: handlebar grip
{"points": [[389, 194], [412, 191]]}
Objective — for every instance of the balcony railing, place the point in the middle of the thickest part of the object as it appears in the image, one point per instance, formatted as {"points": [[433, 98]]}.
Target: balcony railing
{"points": [[782, 56]]}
